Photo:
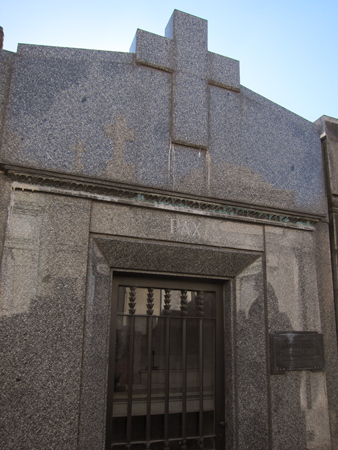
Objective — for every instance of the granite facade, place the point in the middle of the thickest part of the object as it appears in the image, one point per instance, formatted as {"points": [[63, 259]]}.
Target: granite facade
{"points": [[42, 286], [171, 115], [159, 163]]}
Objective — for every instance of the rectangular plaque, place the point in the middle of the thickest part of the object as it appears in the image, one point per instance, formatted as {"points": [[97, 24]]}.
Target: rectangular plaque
{"points": [[296, 350]]}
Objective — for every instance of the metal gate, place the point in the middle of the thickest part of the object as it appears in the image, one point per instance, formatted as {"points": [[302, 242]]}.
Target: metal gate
{"points": [[166, 383]]}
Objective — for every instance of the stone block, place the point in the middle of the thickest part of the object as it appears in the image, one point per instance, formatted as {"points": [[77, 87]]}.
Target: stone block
{"points": [[65, 119], [95, 354], [5, 189], [67, 105], [190, 110], [328, 323], [251, 359], [6, 62], [45, 51], [299, 405], [153, 50], [42, 315], [263, 154], [327, 128], [190, 35], [172, 258], [171, 226], [223, 71], [190, 169]]}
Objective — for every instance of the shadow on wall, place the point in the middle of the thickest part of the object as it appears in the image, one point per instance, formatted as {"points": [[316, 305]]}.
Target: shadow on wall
{"points": [[288, 419], [41, 353]]}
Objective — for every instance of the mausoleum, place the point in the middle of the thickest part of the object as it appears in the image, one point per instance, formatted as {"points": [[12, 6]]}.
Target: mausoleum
{"points": [[168, 253]]}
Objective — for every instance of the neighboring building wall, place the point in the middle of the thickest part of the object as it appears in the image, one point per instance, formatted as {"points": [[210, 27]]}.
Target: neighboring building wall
{"points": [[159, 162], [6, 63], [328, 130]]}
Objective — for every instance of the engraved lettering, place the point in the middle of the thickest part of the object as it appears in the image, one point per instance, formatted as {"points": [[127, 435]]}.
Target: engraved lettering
{"points": [[185, 229], [174, 225], [196, 230]]}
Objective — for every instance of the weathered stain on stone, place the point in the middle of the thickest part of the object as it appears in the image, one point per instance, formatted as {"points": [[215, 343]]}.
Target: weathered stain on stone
{"points": [[79, 150], [121, 134]]}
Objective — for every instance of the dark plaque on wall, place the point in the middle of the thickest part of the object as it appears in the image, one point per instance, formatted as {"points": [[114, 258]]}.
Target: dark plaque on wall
{"points": [[296, 350]]}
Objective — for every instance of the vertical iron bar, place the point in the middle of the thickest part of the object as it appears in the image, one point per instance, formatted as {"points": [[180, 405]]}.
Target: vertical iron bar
{"points": [[148, 425], [167, 367], [215, 366], [184, 312], [200, 313], [130, 376], [201, 381], [184, 382], [132, 303], [150, 304]]}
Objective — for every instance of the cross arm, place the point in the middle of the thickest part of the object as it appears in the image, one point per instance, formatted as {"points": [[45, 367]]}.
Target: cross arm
{"points": [[223, 71], [153, 50]]}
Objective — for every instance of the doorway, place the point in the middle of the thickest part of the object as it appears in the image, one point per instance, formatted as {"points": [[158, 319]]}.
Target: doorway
{"points": [[166, 370]]}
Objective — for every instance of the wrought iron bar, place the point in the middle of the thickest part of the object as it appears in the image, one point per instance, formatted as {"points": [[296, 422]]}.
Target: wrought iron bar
{"points": [[200, 303], [167, 300], [132, 304], [184, 302], [150, 304], [150, 301], [200, 312], [167, 367], [184, 312], [214, 356], [132, 299], [159, 441]]}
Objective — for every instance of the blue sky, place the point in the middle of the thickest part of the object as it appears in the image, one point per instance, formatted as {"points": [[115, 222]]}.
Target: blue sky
{"points": [[288, 50]]}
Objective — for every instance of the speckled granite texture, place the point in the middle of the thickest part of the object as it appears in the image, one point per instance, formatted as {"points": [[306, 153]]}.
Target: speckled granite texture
{"points": [[292, 297], [169, 115], [328, 130], [5, 189], [42, 288], [123, 162], [6, 64]]}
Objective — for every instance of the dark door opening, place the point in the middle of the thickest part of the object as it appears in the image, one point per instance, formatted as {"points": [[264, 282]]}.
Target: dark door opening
{"points": [[166, 370]]}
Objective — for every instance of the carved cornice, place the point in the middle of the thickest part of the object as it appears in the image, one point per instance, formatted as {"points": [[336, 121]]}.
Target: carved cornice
{"points": [[228, 211], [105, 191]]}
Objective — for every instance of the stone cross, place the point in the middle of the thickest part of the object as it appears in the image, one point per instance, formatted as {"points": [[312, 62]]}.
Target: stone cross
{"points": [[184, 52], [120, 134]]}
